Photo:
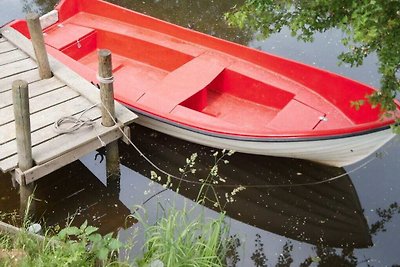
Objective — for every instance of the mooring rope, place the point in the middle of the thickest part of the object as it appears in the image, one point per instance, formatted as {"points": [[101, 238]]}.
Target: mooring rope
{"points": [[181, 179]]}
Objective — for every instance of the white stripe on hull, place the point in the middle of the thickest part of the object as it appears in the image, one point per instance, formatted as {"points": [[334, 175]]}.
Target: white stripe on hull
{"points": [[337, 152]]}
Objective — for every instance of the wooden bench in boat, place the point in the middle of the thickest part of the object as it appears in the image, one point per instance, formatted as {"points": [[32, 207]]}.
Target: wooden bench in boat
{"points": [[184, 82]]}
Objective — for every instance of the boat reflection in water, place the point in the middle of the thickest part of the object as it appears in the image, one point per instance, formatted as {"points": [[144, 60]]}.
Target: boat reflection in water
{"points": [[327, 214], [324, 215]]}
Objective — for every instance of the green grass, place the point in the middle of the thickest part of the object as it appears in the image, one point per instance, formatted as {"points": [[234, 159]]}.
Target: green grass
{"points": [[72, 246], [179, 239]]}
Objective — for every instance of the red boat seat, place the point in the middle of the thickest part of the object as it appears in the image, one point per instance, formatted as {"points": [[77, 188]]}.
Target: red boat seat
{"points": [[69, 34], [184, 82], [296, 116]]}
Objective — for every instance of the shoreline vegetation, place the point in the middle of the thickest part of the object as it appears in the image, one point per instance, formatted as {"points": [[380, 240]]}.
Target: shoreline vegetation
{"points": [[179, 237]]}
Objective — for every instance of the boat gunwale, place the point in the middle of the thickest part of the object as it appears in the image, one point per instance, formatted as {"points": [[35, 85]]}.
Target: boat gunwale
{"points": [[367, 126], [261, 139]]}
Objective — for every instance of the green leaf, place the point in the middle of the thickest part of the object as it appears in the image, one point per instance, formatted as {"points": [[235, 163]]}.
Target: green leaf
{"points": [[114, 244], [69, 231], [95, 238], [84, 225], [102, 254], [90, 230]]}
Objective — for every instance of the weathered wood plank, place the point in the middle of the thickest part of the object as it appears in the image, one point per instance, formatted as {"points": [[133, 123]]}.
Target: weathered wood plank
{"points": [[6, 47], [44, 134], [48, 145], [74, 145], [70, 156], [12, 56], [22, 122], [29, 76], [37, 39], [17, 67], [68, 76], [35, 89], [40, 103], [68, 142], [46, 117], [10, 229]]}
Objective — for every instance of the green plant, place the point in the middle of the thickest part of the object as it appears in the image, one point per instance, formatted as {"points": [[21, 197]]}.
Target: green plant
{"points": [[179, 239], [185, 237], [100, 247], [72, 246]]}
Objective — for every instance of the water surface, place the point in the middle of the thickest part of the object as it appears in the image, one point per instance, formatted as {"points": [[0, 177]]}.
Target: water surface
{"points": [[351, 221]]}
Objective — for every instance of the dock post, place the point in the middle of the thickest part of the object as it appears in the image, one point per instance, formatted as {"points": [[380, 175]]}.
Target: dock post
{"points": [[23, 138], [108, 116], [37, 38]]}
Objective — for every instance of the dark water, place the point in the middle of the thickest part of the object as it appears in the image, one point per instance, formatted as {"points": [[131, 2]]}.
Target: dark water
{"points": [[352, 221]]}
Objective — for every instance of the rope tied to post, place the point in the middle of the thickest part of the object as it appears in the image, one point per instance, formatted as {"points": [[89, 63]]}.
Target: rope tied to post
{"points": [[105, 80]]}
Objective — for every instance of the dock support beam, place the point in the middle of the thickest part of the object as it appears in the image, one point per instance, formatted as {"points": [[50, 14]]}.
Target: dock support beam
{"points": [[108, 117], [35, 30], [23, 138]]}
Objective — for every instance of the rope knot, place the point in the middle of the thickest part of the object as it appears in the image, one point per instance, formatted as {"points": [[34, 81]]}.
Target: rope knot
{"points": [[105, 80]]}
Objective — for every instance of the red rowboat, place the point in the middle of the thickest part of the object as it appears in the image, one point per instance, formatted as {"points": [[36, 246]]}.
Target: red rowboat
{"points": [[214, 92]]}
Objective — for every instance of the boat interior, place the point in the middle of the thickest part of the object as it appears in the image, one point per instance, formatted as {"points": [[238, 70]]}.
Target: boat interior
{"points": [[196, 84]]}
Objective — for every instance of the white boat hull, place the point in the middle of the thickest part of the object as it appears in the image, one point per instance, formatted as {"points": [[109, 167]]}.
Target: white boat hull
{"points": [[337, 152]]}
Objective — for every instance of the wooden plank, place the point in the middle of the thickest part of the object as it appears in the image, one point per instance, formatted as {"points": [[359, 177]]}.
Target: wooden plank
{"points": [[6, 47], [87, 89], [47, 167], [17, 67], [9, 149], [68, 76], [73, 145], [46, 117], [8, 228], [29, 76], [35, 89], [11, 229], [12, 56], [40, 103], [69, 142]]}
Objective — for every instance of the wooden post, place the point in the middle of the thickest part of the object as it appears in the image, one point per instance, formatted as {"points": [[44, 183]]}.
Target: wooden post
{"points": [[37, 38], [23, 139], [108, 115]]}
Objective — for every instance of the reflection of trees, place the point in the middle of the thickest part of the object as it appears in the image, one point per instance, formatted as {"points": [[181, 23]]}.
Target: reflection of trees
{"points": [[39, 6], [327, 256], [258, 257], [197, 14], [285, 258], [331, 257], [386, 215], [200, 15]]}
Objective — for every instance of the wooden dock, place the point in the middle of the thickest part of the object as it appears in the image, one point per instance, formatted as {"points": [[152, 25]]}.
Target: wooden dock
{"points": [[65, 94]]}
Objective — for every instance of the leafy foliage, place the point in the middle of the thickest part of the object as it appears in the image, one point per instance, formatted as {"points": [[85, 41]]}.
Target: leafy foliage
{"points": [[72, 246], [370, 27]]}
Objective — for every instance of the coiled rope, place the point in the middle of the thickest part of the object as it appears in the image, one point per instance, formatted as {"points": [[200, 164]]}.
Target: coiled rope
{"points": [[75, 124]]}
